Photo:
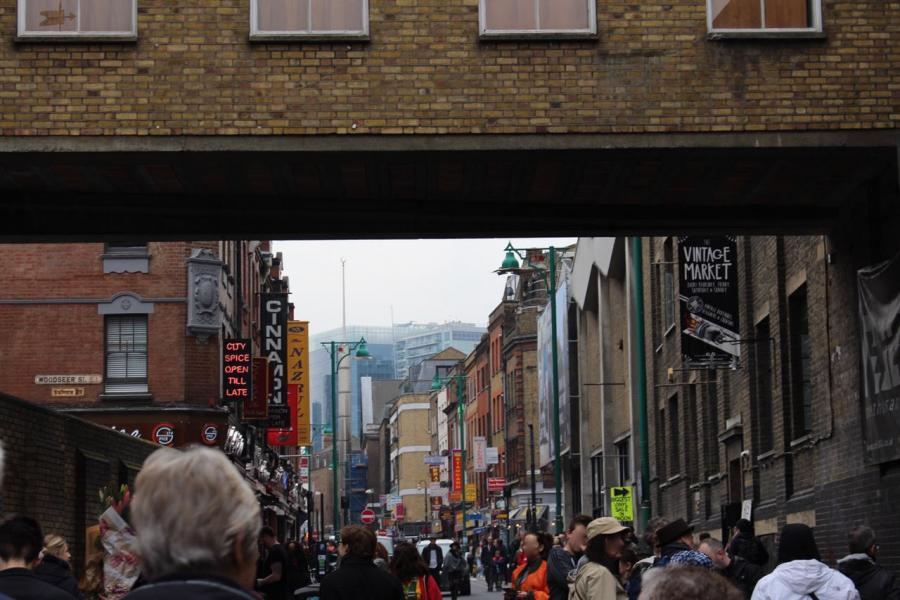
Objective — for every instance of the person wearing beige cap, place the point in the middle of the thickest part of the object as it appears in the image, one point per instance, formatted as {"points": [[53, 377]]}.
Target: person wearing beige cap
{"points": [[598, 578]]}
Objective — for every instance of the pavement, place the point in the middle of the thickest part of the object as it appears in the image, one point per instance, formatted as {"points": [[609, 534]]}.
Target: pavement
{"points": [[479, 592]]}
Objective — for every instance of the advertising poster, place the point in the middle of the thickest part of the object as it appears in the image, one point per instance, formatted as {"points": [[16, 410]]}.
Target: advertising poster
{"points": [[545, 375], [708, 299]]}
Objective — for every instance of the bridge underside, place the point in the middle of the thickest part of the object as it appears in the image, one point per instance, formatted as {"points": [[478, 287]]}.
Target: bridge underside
{"points": [[405, 187]]}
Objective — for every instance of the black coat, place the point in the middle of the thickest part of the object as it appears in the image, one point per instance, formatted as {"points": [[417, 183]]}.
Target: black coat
{"points": [[56, 571], [426, 555], [360, 579], [21, 584], [191, 587], [872, 581], [743, 574], [749, 548]]}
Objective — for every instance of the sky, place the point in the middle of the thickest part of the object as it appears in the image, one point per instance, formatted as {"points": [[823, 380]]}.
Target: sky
{"points": [[403, 280]]}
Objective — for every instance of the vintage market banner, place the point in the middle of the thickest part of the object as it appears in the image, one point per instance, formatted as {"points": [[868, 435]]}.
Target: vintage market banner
{"points": [[708, 297], [879, 307]]}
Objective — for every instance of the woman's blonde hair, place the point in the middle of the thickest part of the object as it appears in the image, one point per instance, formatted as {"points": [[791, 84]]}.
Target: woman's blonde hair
{"points": [[55, 545], [189, 509]]}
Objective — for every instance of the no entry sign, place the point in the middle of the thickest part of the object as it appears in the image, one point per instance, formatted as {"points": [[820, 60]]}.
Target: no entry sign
{"points": [[367, 516]]}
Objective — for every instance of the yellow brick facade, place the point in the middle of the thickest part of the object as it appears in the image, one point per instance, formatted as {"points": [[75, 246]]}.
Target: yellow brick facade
{"points": [[651, 69]]}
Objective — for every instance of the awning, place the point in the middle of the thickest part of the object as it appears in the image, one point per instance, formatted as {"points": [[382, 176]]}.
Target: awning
{"points": [[521, 514]]}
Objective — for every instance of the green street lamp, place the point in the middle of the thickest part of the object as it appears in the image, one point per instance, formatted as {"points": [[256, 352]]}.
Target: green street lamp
{"points": [[436, 385], [511, 265], [361, 352]]}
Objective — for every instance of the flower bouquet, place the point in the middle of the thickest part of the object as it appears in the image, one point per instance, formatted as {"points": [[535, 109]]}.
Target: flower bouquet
{"points": [[120, 567]]}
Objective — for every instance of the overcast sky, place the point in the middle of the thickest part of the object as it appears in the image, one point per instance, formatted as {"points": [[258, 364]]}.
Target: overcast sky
{"points": [[421, 280]]}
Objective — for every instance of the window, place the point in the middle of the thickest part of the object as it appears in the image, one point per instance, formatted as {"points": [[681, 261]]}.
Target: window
{"points": [[763, 347], [77, 19], [309, 19], [537, 18], [668, 287], [674, 428], [752, 17], [623, 459], [801, 388], [126, 354]]}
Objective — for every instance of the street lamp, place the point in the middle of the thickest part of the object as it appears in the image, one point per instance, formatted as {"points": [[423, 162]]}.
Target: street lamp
{"points": [[511, 265], [362, 352], [436, 385]]}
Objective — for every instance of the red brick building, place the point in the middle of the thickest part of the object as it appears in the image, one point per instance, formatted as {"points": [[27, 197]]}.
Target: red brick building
{"points": [[129, 336]]}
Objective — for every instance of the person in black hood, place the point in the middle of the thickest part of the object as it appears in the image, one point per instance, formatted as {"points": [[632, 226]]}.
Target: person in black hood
{"points": [[54, 566], [872, 581], [746, 545]]}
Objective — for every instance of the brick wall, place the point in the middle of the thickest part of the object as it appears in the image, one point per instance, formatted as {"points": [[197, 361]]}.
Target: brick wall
{"points": [[820, 479], [193, 71], [55, 465]]}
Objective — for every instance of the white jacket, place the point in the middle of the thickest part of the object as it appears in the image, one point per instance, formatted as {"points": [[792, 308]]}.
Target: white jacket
{"points": [[797, 579]]}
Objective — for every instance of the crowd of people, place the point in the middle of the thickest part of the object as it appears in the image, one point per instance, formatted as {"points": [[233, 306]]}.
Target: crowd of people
{"points": [[216, 549]]}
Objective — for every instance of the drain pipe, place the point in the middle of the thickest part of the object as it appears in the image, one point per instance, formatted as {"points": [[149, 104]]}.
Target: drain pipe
{"points": [[637, 295]]}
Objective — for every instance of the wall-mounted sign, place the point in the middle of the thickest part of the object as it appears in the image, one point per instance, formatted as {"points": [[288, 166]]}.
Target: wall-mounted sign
{"points": [[67, 392], [434, 477], [457, 470], [708, 297], [164, 434], [496, 484], [209, 434], [432, 459], [298, 375], [273, 321], [492, 456], [257, 408], [237, 373], [621, 503], [68, 379]]}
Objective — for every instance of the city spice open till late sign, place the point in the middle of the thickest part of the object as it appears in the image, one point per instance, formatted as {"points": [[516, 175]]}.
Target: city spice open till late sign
{"points": [[237, 381]]}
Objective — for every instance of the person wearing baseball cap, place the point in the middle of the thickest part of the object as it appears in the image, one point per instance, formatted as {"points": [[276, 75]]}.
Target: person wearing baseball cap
{"points": [[677, 542], [598, 579]]}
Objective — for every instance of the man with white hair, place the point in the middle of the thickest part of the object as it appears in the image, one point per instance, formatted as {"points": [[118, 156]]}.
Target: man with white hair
{"points": [[197, 525]]}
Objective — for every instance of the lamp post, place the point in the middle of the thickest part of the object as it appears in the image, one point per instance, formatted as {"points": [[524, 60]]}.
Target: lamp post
{"points": [[362, 352], [511, 265], [436, 384]]}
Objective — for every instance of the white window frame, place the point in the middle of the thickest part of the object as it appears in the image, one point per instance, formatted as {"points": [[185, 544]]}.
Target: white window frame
{"points": [[67, 36], [813, 31], [487, 34], [312, 35]]}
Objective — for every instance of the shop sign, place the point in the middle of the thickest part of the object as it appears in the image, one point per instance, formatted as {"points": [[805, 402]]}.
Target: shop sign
{"points": [[457, 470], [164, 434], [68, 379], [434, 473], [209, 435], [298, 375], [237, 375], [273, 323], [492, 456], [496, 484]]}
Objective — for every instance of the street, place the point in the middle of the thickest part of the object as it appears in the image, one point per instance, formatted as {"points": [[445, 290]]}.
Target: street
{"points": [[479, 591]]}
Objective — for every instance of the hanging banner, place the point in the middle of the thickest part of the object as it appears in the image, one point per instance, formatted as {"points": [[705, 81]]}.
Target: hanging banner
{"points": [[237, 376], [708, 299], [545, 375], [257, 407], [879, 305], [456, 475], [273, 323], [479, 454], [297, 376]]}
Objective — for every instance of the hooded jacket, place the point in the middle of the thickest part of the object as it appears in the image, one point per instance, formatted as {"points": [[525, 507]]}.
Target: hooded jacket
{"points": [[872, 581], [799, 579], [56, 571]]}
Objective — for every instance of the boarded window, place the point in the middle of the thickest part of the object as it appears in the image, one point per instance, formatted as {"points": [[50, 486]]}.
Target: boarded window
{"points": [[67, 19], [505, 18], [764, 15], [309, 18]]}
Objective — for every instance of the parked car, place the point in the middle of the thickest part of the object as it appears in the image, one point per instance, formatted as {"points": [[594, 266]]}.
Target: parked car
{"points": [[445, 581]]}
